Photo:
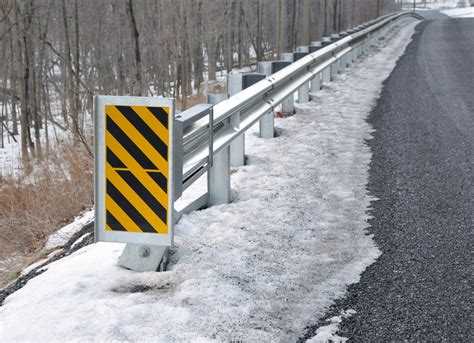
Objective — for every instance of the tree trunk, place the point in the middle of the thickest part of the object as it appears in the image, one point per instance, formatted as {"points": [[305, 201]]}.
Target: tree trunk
{"points": [[69, 77], [77, 81], [211, 58], [305, 36], [229, 38], [138, 85], [259, 51], [24, 67]]}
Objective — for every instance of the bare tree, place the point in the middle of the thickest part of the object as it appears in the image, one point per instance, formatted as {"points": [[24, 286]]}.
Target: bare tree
{"points": [[57, 55]]}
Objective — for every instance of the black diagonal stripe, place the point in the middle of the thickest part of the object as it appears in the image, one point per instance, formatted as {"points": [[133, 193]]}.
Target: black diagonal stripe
{"points": [[143, 193], [160, 179], [128, 208], [113, 223], [145, 130], [113, 160], [160, 114], [128, 144]]}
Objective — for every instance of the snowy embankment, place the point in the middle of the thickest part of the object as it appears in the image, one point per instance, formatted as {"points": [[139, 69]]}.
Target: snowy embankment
{"points": [[261, 268], [467, 12]]}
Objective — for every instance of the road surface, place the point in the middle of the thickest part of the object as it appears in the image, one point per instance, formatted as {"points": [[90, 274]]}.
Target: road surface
{"points": [[420, 290]]}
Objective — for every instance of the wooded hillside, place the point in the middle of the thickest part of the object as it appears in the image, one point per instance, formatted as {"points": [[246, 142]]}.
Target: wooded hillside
{"points": [[57, 54]]}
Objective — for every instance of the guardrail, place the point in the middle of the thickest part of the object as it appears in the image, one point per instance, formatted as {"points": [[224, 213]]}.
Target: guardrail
{"points": [[209, 138], [135, 196]]}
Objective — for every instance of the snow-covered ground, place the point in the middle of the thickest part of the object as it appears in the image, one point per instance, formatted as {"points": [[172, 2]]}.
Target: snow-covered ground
{"points": [[259, 269], [432, 4], [62, 236], [466, 12], [327, 333]]}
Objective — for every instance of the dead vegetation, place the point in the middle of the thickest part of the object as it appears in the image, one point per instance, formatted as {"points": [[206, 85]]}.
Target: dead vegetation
{"points": [[34, 206]]}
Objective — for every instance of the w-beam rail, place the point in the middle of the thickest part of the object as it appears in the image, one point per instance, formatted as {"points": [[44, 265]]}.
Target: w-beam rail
{"points": [[206, 135], [210, 138]]}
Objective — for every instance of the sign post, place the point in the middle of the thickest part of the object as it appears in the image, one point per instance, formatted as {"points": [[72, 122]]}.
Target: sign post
{"points": [[133, 177]]}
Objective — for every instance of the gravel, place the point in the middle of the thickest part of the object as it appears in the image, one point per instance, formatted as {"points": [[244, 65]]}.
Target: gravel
{"points": [[419, 290]]}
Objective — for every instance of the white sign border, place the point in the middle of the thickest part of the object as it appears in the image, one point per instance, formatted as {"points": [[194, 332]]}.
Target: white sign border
{"points": [[100, 234]]}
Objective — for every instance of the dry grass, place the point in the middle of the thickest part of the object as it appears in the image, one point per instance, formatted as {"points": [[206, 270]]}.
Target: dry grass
{"points": [[34, 206]]}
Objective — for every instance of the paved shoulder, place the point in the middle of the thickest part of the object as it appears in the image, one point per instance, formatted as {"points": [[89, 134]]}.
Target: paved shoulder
{"points": [[422, 172]]}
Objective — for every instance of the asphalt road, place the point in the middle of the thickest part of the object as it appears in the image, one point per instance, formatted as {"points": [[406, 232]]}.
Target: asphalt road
{"points": [[420, 289]]}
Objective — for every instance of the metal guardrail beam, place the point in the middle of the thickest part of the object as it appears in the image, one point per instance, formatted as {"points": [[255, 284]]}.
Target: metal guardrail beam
{"points": [[216, 133]]}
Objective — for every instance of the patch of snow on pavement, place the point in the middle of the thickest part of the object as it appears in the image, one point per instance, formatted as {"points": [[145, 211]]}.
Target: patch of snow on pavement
{"points": [[466, 12], [327, 333], [259, 269]]}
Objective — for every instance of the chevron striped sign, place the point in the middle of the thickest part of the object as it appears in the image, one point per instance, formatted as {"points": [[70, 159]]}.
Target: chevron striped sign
{"points": [[133, 170]]}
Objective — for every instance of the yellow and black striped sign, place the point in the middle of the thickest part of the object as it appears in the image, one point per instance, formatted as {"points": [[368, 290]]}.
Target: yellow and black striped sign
{"points": [[137, 142]]}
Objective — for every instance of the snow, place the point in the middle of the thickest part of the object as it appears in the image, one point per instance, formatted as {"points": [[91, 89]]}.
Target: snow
{"points": [[32, 266], [262, 268], [9, 155], [467, 12], [60, 237], [431, 5], [327, 333]]}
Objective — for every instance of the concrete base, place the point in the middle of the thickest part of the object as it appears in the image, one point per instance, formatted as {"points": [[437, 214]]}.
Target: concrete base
{"points": [[144, 258]]}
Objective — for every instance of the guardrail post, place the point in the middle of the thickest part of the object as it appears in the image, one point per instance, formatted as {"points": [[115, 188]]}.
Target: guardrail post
{"points": [[315, 46], [353, 55], [235, 84], [366, 44], [326, 78], [326, 41], [316, 81], [343, 63], [345, 58], [303, 90], [267, 123], [303, 93], [333, 70], [237, 147], [218, 176], [288, 105], [335, 66]]}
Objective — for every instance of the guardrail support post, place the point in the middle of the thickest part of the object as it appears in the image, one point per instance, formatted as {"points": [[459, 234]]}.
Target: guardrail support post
{"points": [[326, 75], [335, 66], [267, 123], [235, 84], [316, 83], [303, 93], [333, 70], [237, 147], [353, 54], [343, 63], [288, 105], [218, 177], [303, 90]]}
